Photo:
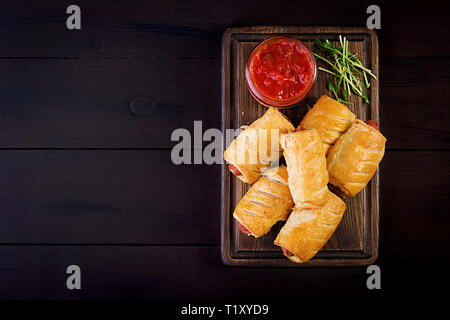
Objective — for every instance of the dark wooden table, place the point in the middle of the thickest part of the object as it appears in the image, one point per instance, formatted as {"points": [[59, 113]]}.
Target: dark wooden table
{"points": [[85, 181]]}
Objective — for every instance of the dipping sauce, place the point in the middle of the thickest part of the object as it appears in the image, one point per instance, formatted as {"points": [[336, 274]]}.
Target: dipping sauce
{"points": [[280, 72]]}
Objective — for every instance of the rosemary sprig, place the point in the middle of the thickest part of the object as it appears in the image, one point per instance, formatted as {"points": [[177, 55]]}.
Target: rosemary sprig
{"points": [[347, 72]]}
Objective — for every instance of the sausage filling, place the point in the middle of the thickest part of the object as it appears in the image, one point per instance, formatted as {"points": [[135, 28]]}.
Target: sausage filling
{"points": [[373, 124], [286, 252]]}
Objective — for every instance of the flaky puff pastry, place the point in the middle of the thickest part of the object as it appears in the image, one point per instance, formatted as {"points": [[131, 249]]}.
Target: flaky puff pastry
{"points": [[330, 118], [307, 231], [354, 158], [307, 168], [267, 202], [258, 146]]}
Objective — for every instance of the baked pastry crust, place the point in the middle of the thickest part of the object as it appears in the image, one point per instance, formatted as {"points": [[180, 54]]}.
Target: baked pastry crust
{"points": [[307, 168], [307, 231], [267, 202], [330, 118], [354, 158], [252, 152]]}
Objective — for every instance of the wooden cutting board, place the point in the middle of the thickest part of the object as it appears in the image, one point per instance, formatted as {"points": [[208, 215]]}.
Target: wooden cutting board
{"points": [[355, 242]]}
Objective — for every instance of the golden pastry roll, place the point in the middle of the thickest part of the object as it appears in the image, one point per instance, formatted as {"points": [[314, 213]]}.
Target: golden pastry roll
{"points": [[330, 118], [355, 157], [267, 202], [306, 231], [258, 146], [307, 168]]}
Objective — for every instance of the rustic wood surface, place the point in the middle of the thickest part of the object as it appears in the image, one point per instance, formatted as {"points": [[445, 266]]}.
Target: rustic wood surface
{"points": [[85, 181], [355, 242]]}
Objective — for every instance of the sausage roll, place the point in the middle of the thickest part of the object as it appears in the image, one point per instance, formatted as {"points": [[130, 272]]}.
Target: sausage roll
{"points": [[258, 146], [267, 202], [307, 168], [354, 158], [307, 231], [330, 118]]}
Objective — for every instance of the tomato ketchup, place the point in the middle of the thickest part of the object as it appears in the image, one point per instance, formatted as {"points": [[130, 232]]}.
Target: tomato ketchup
{"points": [[280, 72]]}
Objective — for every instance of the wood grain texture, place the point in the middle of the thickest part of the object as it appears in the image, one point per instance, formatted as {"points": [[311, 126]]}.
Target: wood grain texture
{"points": [[355, 242], [106, 196], [414, 198], [120, 37], [85, 103], [79, 103], [64, 196], [413, 103], [62, 86]]}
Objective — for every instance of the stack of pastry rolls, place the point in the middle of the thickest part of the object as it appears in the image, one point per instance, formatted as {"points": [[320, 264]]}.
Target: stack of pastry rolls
{"points": [[330, 146]]}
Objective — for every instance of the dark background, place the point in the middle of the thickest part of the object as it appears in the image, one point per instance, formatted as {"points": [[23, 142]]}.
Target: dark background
{"points": [[85, 181]]}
